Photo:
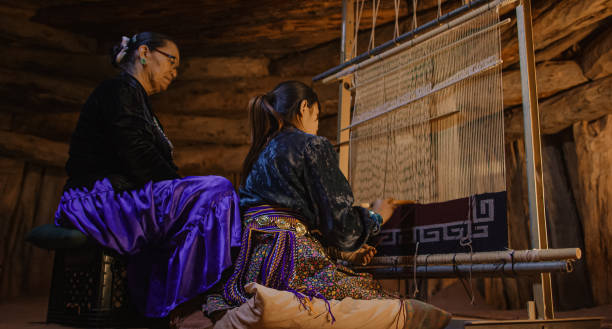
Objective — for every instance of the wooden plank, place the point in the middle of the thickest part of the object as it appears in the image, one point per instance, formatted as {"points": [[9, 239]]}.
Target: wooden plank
{"points": [[22, 31], [52, 62], [196, 68], [572, 290], [181, 129], [11, 175], [45, 88], [596, 59], [594, 195], [215, 97], [14, 250], [552, 77], [189, 129], [34, 149], [205, 28], [347, 45], [583, 103], [518, 223], [542, 290], [210, 159], [570, 323], [196, 159]]}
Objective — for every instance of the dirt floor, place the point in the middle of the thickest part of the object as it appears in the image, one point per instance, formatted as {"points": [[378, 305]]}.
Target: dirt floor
{"points": [[31, 312]]}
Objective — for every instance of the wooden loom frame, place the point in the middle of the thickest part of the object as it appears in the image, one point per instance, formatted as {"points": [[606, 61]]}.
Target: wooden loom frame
{"points": [[537, 217]]}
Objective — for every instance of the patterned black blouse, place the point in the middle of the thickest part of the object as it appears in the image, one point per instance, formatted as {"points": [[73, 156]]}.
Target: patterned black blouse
{"points": [[300, 171], [118, 137]]}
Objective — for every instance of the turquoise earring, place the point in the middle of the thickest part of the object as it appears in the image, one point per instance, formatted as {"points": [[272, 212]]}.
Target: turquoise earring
{"points": [[143, 61]]}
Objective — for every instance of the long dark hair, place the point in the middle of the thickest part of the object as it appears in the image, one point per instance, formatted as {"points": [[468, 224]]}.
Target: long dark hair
{"points": [[269, 114], [152, 40]]}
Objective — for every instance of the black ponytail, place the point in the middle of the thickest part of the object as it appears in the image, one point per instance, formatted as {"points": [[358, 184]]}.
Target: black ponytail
{"points": [[269, 114]]}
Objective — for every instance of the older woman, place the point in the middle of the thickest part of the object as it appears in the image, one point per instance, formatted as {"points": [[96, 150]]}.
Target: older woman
{"points": [[124, 191]]}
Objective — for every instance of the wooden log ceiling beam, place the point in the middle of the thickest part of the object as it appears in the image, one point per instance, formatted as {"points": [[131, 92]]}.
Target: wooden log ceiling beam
{"points": [[203, 159], [555, 20], [583, 103], [596, 59], [559, 46], [552, 77]]}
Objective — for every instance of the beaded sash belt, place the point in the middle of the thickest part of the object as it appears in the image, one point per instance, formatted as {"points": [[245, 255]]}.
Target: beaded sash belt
{"points": [[278, 267], [284, 219]]}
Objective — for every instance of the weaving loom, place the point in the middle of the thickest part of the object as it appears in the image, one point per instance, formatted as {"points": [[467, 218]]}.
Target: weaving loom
{"points": [[427, 126]]}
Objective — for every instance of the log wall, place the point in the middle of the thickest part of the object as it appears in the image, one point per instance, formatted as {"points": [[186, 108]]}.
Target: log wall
{"points": [[47, 73]]}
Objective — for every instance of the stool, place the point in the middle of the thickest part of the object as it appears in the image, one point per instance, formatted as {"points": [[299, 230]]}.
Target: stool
{"points": [[89, 283]]}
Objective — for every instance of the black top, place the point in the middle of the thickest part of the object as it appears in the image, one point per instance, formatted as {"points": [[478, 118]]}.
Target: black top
{"points": [[300, 171], [118, 137]]}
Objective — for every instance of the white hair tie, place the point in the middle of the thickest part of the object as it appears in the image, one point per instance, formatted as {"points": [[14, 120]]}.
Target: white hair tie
{"points": [[124, 48]]}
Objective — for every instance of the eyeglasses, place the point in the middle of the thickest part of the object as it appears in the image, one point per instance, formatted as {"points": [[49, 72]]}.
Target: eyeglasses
{"points": [[170, 57]]}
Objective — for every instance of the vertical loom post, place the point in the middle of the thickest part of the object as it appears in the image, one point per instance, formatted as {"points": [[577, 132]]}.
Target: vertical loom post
{"points": [[344, 103], [531, 118]]}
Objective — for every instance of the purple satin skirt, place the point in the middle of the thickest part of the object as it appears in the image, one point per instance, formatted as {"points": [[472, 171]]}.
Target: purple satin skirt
{"points": [[175, 234]]}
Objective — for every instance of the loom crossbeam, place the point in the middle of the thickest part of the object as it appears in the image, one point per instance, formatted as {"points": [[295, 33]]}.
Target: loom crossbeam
{"points": [[489, 257], [466, 270]]}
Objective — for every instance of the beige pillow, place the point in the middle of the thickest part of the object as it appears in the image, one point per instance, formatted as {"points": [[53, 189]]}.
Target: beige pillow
{"points": [[270, 308]]}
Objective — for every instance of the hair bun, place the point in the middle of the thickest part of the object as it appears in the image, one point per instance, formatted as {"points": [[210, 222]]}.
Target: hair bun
{"points": [[124, 47]]}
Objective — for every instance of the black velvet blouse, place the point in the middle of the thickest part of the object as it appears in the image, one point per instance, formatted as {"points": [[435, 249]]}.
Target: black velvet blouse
{"points": [[300, 171], [118, 137]]}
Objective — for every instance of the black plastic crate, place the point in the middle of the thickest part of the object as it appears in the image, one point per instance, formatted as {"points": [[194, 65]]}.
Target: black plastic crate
{"points": [[89, 289]]}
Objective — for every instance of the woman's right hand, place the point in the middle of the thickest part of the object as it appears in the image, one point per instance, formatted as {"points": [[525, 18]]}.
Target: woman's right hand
{"points": [[385, 208]]}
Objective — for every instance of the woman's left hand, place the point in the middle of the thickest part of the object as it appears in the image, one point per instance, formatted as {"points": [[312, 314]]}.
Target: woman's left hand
{"points": [[362, 256]]}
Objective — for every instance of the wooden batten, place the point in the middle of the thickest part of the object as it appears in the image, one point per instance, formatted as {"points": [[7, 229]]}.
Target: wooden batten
{"points": [[596, 59], [25, 32], [552, 77], [196, 68], [583, 103]]}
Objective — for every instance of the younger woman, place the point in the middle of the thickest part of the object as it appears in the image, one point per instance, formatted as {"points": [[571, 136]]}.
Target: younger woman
{"points": [[298, 213]]}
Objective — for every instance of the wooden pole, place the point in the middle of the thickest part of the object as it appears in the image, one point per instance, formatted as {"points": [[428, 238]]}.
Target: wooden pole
{"points": [[542, 290], [344, 104]]}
